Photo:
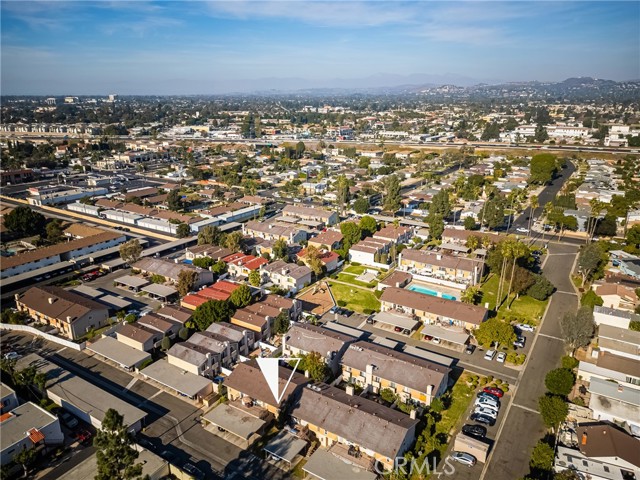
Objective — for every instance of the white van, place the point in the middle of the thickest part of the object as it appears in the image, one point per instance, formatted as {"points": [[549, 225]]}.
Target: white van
{"points": [[490, 355]]}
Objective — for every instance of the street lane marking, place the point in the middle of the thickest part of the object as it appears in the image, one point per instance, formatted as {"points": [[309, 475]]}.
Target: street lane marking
{"points": [[566, 293], [551, 336], [526, 408]]}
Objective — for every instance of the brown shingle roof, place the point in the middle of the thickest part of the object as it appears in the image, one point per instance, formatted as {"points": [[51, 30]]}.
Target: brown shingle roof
{"points": [[436, 305], [604, 440], [56, 302]]}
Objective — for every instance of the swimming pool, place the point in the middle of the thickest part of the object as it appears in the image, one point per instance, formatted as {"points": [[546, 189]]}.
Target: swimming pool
{"points": [[426, 291]]}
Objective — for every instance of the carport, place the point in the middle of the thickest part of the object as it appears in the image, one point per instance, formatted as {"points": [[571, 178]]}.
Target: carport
{"points": [[454, 247], [114, 303], [396, 320], [466, 444], [448, 335], [159, 292], [131, 283], [242, 426], [124, 355], [325, 466], [285, 447], [182, 382]]}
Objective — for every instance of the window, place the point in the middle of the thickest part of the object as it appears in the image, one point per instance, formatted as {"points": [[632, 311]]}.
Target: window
{"points": [[606, 469], [633, 380], [407, 390], [376, 379], [392, 385]]}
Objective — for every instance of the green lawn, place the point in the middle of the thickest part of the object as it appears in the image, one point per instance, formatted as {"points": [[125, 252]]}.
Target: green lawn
{"points": [[345, 277], [524, 308], [355, 298], [358, 269]]}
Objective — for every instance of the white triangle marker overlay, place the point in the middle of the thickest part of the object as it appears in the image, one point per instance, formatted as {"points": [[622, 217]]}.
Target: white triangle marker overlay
{"points": [[270, 370]]}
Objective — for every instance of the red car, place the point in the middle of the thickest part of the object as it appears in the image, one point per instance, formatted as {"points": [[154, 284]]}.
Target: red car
{"points": [[494, 391], [83, 436]]}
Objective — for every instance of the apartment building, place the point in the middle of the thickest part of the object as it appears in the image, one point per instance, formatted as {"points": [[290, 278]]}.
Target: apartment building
{"points": [[438, 265], [415, 380], [273, 230], [72, 314], [433, 310], [311, 214], [288, 276], [394, 233], [303, 339]]}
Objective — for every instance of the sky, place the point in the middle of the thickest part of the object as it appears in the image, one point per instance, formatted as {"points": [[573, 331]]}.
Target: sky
{"points": [[208, 47]]}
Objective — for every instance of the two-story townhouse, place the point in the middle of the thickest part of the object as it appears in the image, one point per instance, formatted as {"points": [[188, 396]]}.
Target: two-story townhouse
{"points": [[138, 336], [289, 276], [240, 339], [336, 417], [619, 341], [247, 384], [460, 237], [302, 339], [241, 265], [612, 367], [273, 230], [72, 314], [171, 270], [162, 325], [613, 317], [206, 251], [415, 380], [433, 310], [438, 265], [615, 295], [311, 214], [369, 251], [328, 240], [394, 233]]}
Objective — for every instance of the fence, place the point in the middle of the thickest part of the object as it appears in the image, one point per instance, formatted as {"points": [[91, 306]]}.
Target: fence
{"points": [[46, 336]]}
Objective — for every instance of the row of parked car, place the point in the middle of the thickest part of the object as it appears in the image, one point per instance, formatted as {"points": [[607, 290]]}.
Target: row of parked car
{"points": [[486, 408]]}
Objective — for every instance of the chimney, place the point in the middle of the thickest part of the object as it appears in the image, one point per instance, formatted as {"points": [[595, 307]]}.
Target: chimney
{"points": [[51, 300], [486, 305], [16, 297], [68, 319], [412, 414], [584, 439], [306, 374], [350, 390], [438, 257]]}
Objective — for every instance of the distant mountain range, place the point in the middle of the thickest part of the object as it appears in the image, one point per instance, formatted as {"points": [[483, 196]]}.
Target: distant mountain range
{"points": [[449, 85]]}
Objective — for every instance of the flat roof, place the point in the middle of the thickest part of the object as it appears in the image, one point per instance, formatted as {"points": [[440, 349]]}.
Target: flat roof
{"points": [[385, 342], [234, 420], [83, 395], [173, 377], [159, 290], [21, 420], [445, 334], [88, 291], [118, 352], [132, 281], [402, 321], [285, 446], [338, 327], [327, 466], [113, 301], [428, 355]]}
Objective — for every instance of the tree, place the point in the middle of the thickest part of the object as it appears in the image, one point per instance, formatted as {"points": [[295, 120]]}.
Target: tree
{"points": [[589, 260], [361, 205], [115, 452], [254, 278], [14, 317], [312, 258], [491, 132], [203, 262], [368, 226], [470, 295], [495, 330], [540, 135], [165, 344], [351, 233], [183, 333], [391, 187], [553, 410], [436, 226], [24, 221], [440, 204], [342, 192], [209, 236], [577, 328], [186, 281], [174, 200], [560, 381], [315, 365], [492, 213], [634, 326], [234, 241], [633, 237], [542, 456], [591, 299], [542, 169], [281, 249], [26, 457], [522, 280], [541, 288], [213, 311], [54, 230], [281, 323], [469, 223], [219, 267], [607, 226], [241, 296], [183, 230], [130, 251]]}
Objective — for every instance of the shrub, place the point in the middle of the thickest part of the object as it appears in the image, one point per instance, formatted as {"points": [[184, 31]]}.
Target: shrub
{"points": [[578, 401], [368, 311], [387, 395], [569, 362], [145, 364], [437, 405], [342, 303]]}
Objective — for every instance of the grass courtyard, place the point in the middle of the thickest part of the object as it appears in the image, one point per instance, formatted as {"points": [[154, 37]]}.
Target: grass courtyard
{"points": [[524, 308], [354, 298]]}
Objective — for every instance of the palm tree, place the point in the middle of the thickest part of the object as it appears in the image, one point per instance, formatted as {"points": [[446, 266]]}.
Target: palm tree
{"points": [[533, 204], [506, 248], [518, 250], [596, 208], [470, 295]]}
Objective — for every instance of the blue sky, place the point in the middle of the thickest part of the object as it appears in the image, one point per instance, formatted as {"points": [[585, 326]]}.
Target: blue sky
{"points": [[191, 47]]}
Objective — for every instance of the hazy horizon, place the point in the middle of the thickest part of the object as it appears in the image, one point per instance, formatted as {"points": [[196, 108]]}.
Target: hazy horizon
{"points": [[201, 48]]}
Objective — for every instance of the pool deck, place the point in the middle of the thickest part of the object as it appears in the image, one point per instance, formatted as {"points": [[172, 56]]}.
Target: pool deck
{"points": [[454, 292]]}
